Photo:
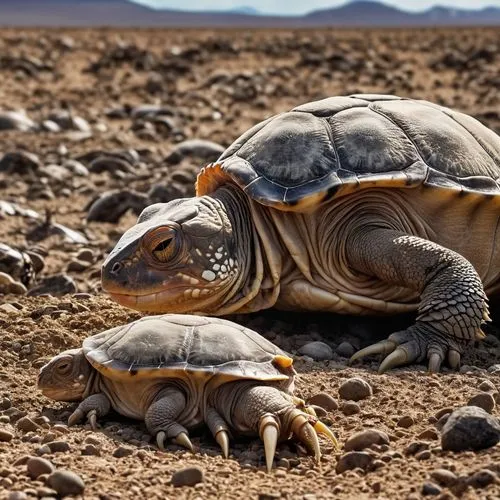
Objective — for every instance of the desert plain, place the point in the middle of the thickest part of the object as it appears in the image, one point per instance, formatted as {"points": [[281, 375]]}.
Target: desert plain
{"points": [[93, 125]]}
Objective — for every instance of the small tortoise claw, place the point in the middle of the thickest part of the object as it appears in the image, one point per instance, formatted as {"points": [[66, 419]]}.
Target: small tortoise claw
{"points": [[78, 415], [306, 434], [269, 431], [160, 440], [182, 439], [321, 428], [75, 417], [222, 438]]}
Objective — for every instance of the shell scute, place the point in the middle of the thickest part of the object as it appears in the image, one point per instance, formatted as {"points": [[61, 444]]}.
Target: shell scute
{"points": [[331, 147]]}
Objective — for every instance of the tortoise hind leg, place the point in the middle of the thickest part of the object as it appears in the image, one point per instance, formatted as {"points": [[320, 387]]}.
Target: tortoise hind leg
{"points": [[272, 414], [161, 418], [453, 303]]}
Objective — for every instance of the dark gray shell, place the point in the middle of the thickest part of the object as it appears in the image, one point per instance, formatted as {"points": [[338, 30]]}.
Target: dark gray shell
{"points": [[315, 151], [170, 344]]}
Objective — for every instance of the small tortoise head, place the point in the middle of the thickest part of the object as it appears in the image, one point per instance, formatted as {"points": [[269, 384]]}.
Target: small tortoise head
{"points": [[178, 258], [65, 377]]}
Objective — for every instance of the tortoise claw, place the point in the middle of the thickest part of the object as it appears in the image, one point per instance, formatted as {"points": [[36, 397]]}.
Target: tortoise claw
{"points": [[160, 440], [306, 434], [384, 347], [454, 359], [435, 361], [182, 439], [222, 438], [269, 432], [92, 419], [75, 417], [321, 428], [395, 358]]}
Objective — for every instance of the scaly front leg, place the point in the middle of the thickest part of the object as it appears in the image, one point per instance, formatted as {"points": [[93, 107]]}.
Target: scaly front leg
{"points": [[453, 303], [94, 406]]}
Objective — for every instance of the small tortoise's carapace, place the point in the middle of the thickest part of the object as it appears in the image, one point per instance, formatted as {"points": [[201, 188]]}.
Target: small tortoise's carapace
{"points": [[367, 204], [177, 372]]}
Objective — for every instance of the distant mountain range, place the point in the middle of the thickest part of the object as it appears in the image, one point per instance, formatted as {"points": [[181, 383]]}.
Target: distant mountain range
{"points": [[128, 13]]}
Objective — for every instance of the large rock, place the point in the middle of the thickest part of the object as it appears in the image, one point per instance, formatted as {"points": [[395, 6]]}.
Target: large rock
{"points": [[470, 428]]}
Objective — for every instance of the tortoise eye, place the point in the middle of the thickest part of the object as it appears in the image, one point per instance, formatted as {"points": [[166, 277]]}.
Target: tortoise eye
{"points": [[164, 250], [160, 244], [63, 367]]}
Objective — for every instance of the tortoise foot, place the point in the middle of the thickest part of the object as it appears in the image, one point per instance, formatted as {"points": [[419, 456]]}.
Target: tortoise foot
{"points": [[92, 407], [413, 345]]}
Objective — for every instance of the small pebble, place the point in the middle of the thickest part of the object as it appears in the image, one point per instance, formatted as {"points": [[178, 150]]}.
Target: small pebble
{"points": [[58, 446], [122, 451], [17, 495], [66, 482], [6, 435], [365, 439], [91, 450], [429, 489], [345, 349], [444, 477], [353, 460], [37, 466], [187, 477], [423, 455], [405, 422], [324, 400], [486, 386], [483, 400], [319, 351], [26, 424], [350, 408], [428, 435], [482, 478], [355, 389]]}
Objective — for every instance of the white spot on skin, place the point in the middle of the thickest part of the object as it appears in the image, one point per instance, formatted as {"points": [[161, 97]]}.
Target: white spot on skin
{"points": [[208, 275], [196, 293], [231, 262], [223, 276], [223, 268], [218, 256], [198, 252], [216, 267], [212, 260], [220, 249], [226, 262]]}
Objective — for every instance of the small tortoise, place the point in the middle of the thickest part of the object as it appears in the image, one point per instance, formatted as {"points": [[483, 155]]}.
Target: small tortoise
{"points": [[176, 372], [368, 204]]}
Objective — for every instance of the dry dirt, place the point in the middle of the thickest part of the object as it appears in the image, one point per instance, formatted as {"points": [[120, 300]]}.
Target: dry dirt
{"points": [[213, 85]]}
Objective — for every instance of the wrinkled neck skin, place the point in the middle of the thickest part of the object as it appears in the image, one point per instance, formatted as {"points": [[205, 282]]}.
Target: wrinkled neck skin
{"points": [[257, 250]]}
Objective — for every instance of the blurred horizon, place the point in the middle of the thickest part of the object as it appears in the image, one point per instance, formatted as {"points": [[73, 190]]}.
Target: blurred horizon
{"points": [[298, 7]]}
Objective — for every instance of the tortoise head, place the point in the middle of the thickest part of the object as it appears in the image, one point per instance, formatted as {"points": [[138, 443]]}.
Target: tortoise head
{"points": [[178, 258], [65, 377]]}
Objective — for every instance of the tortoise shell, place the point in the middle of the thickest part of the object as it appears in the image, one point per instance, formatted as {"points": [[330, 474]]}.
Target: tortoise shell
{"points": [[334, 146], [175, 345]]}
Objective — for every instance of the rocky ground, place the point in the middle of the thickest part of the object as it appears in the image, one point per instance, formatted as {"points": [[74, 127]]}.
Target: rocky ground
{"points": [[95, 125]]}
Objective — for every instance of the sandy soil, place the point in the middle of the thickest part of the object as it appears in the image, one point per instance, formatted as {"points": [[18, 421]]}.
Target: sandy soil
{"points": [[213, 85]]}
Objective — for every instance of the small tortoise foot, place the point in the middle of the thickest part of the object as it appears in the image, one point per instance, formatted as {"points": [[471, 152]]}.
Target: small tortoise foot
{"points": [[92, 407], [304, 426], [415, 344]]}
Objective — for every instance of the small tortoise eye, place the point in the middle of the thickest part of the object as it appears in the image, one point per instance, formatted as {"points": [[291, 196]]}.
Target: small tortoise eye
{"points": [[63, 367]]}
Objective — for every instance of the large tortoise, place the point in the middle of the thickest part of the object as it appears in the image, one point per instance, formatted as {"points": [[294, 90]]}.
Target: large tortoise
{"points": [[176, 372], [368, 204]]}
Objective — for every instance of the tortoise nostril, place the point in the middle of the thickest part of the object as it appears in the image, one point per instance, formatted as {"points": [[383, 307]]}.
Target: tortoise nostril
{"points": [[117, 267]]}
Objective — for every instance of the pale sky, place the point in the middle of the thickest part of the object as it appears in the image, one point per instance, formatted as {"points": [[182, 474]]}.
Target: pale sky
{"points": [[301, 7]]}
